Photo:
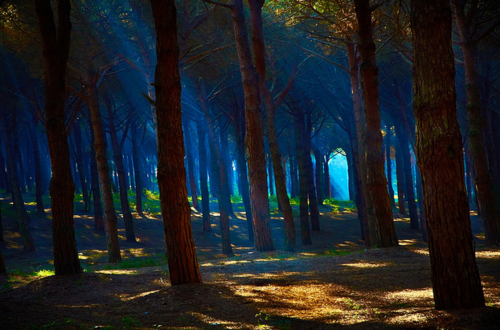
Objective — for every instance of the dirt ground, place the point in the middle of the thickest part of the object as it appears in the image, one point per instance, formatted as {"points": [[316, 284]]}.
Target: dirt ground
{"points": [[335, 283]]}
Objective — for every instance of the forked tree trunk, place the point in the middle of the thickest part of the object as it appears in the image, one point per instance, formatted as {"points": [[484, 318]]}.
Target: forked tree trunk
{"points": [[377, 182], [455, 276], [175, 209], [202, 156], [110, 223], [254, 138], [56, 43]]}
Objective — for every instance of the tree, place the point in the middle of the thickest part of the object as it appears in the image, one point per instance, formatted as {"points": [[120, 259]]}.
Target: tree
{"points": [[377, 182], [56, 44], [455, 277], [175, 209]]}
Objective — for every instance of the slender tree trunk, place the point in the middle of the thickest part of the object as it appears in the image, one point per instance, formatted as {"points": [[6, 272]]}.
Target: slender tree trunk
{"points": [[103, 169], [120, 171], [455, 277], [19, 161], [328, 193], [389, 165], [319, 175], [202, 156], [175, 209], [137, 169], [293, 176], [2, 264], [4, 181], [400, 182], [254, 138], [38, 166], [77, 133], [410, 192], [377, 182], [96, 192], [311, 190], [190, 161]]}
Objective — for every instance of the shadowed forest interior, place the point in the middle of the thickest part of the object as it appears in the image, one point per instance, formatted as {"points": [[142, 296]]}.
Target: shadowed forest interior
{"points": [[249, 164]]}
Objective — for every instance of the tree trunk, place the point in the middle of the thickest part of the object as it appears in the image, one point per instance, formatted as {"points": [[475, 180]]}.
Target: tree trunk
{"points": [[410, 191], [103, 169], [455, 277], [56, 44], [377, 182], [254, 138], [19, 161], [120, 171], [38, 166], [202, 156], [175, 209], [77, 133], [190, 161], [4, 181], [400, 182], [96, 191], [305, 229], [420, 196], [311, 190], [3, 270], [319, 175], [294, 182], [389, 164], [326, 182], [137, 168]]}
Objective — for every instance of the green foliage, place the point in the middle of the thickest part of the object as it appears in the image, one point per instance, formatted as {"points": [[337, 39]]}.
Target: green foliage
{"points": [[151, 195], [129, 322], [353, 305], [236, 199]]}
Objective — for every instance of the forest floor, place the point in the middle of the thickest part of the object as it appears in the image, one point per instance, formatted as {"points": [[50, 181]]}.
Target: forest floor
{"points": [[335, 283]]}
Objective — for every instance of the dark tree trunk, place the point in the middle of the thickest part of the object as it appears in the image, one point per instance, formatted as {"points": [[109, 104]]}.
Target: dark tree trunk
{"points": [[239, 132], [202, 156], [328, 192], [175, 209], [420, 196], [254, 137], [389, 165], [130, 164], [4, 181], [96, 191], [455, 277], [319, 175], [400, 182], [120, 171], [270, 174], [305, 229], [190, 162], [2, 264], [103, 169], [410, 191], [377, 182], [77, 133], [38, 165], [224, 158], [19, 161], [137, 169], [311, 189], [293, 176], [483, 179]]}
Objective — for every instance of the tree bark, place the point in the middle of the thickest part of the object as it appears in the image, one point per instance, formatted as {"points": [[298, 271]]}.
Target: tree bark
{"points": [[175, 209], [319, 175], [56, 45], [96, 191], [38, 165], [389, 164], [137, 169], [254, 138], [377, 182], [400, 182], [455, 277], [2, 264]]}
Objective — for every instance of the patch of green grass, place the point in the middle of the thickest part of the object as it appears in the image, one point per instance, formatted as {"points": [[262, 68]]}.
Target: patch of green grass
{"points": [[129, 322], [353, 305], [236, 199]]}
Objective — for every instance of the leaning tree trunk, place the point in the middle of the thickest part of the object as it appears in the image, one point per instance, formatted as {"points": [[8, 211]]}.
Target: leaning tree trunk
{"points": [[56, 43], [377, 182], [202, 153], [455, 276], [254, 138], [120, 170], [175, 209], [110, 223]]}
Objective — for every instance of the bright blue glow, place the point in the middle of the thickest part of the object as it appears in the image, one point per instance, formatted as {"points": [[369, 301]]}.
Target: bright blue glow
{"points": [[339, 177]]}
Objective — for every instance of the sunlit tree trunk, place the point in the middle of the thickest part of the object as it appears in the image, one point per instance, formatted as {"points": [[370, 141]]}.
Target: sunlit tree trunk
{"points": [[56, 43], [254, 138], [377, 182], [175, 209], [455, 276]]}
